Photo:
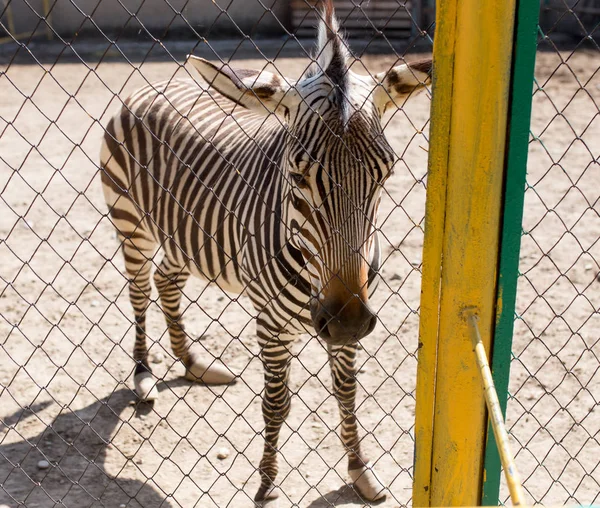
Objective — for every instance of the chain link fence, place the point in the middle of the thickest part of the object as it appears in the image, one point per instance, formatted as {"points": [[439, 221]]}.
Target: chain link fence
{"points": [[555, 375], [72, 430]]}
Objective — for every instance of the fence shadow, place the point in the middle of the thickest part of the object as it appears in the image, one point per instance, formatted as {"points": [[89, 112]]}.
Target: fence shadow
{"points": [[76, 445]]}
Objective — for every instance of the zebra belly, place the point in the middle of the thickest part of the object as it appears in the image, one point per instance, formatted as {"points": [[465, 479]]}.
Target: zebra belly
{"points": [[202, 240]]}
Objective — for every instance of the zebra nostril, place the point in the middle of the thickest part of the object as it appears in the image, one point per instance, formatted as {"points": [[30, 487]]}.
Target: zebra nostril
{"points": [[371, 325], [321, 327]]}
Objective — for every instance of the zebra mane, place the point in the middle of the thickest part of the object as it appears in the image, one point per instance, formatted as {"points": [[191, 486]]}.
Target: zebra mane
{"points": [[331, 58]]}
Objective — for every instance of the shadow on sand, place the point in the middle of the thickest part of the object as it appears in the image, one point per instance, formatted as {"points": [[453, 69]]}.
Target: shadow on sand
{"points": [[76, 445], [343, 496]]}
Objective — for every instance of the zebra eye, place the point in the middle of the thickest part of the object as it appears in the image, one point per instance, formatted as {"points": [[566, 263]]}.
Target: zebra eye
{"points": [[299, 179]]}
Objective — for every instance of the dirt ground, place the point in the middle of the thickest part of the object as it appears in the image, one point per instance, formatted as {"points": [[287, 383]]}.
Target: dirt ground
{"points": [[66, 331]]}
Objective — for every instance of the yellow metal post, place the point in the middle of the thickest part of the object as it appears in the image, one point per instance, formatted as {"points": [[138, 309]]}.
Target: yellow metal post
{"points": [[471, 84], [14, 36], [47, 15], [432, 248]]}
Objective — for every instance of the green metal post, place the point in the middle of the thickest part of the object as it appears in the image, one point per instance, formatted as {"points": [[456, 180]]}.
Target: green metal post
{"points": [[518, 140]]}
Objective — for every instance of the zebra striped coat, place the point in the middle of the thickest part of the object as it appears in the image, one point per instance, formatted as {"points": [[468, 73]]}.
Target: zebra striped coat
{"points": [[268, 189]]}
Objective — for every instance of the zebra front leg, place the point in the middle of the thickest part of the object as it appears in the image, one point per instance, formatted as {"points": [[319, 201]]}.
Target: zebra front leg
{"points": [[275, 356], [170, 279], [342, 360]]}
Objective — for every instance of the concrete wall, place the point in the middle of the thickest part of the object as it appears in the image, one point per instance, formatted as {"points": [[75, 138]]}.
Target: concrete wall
{"points": [[179, 17]]}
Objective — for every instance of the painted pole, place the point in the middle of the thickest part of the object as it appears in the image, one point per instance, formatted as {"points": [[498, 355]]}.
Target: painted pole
{"points": [[525, 46], [471, 89]]}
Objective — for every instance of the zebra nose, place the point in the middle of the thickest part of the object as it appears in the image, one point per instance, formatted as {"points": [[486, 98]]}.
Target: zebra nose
{"points": [[344, 322]]}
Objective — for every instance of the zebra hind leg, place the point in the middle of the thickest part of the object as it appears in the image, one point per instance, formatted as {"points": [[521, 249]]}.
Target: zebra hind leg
{"points": [[342, 360], [275, 356], [138, 265], [170, 279]]}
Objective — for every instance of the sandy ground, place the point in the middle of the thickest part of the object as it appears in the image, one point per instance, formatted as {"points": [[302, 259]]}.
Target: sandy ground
{"points": [[66, 334]]}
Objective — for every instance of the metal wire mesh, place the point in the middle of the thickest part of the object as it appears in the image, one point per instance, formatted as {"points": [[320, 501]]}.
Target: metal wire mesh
{"points": [[72, 431], [555, 375]]}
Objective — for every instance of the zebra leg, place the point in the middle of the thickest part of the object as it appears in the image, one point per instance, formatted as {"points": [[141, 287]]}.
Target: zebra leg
{"points": [[342, 360], [137, 266], [275, 356], [170, 279]]}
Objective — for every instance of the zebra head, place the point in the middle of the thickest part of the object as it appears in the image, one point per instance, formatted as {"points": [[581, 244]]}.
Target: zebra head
{"points": [[335, 163]]}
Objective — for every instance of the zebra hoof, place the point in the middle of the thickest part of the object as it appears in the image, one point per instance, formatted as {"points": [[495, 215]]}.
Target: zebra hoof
{"points": [[145, 386], [367, 483], [270, 499], [211, 373], [268, 503]]}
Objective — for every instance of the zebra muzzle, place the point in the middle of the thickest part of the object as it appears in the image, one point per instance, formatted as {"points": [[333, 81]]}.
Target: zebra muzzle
{"points": [[340, 322]]}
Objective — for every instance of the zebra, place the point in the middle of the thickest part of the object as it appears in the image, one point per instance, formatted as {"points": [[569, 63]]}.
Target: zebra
{"points": [[267, 187]]}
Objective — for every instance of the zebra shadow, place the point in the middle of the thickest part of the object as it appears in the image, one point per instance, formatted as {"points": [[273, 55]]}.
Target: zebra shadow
{"points": [[75, 444], [345, 495]]}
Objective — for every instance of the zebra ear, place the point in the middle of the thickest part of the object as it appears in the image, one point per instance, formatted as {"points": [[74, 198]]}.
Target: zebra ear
{"points": [[396, 85], [263, 92]]}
